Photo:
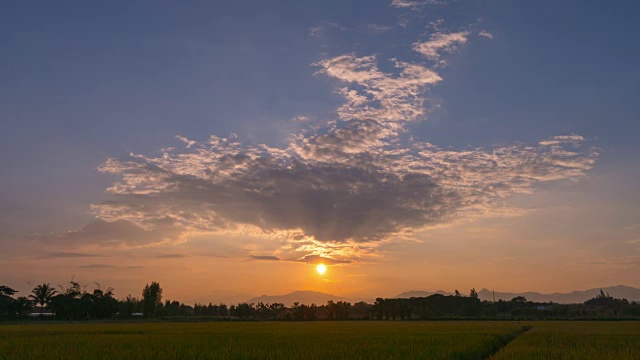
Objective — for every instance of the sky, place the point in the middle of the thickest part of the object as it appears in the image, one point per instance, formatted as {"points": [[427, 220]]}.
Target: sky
{"points": [[226, 148]]}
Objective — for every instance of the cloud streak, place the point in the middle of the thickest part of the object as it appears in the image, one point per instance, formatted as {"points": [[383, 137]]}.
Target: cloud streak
{"points": [[66, 255]]}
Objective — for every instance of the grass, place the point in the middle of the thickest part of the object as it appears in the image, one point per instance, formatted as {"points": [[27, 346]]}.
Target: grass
{"points": [[576, 340], [322, 340]]}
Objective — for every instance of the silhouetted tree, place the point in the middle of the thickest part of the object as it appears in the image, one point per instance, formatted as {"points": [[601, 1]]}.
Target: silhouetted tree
{"points": [[129, 305], [277, 309], [101, 304], [21, 307], [69, 304], [7, 291], [152, 298], [42, 295], [6, 301], [473, 294]]}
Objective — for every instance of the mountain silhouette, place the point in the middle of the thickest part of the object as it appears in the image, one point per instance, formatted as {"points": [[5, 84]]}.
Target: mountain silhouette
{"points": [[419, 293], [303, 297], [619, 291]]}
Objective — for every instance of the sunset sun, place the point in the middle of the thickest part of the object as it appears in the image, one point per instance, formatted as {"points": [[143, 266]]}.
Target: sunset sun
{"points": [[321, 269]]}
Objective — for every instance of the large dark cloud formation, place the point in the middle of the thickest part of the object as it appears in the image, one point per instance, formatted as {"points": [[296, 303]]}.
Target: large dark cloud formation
{"points": [[337, 191]]}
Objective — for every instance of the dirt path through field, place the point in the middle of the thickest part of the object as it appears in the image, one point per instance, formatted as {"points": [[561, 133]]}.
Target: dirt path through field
{"points": [[504, 341]]}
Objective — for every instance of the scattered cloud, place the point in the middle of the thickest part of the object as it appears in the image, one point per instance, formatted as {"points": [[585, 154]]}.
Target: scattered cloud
{"points": [[315, 31], [188, 142], [405, 3], [486, 34], [375, 96], [440, 43], [265, 257], [322, 27], [378, 29], [300, 118], [557, 140], [414, 4]]}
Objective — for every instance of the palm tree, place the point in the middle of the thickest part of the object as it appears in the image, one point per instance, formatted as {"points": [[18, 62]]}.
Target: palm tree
{"points": [[42, 295]]}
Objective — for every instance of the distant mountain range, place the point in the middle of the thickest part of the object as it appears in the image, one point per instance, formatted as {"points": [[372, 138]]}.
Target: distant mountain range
{"points": [[303, 297], [319, 298], [620, 291]]}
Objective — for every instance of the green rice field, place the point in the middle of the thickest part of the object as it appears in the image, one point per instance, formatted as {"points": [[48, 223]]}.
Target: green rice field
{"points": [[323, 340]]}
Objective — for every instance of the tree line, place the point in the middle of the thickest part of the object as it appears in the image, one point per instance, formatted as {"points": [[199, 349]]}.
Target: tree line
{"points": [[74, 302]]}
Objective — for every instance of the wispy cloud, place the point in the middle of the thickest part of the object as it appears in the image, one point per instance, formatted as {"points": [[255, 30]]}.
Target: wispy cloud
{"points": [[188, 142], [97, 266], [117, 232], [378, 29], [440, 43], [557, 140], [107, 266], [415, 4], [61, 255], [486, 34], [320, 30], [171, 256], [317, 259], [265, 257], [405, 3]]}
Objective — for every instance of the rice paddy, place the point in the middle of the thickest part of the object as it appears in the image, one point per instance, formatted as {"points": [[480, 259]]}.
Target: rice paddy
{"points": [[322, 340]]}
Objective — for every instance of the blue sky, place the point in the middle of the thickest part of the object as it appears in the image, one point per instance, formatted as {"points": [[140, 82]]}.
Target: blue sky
{"points": [[84, 82]]}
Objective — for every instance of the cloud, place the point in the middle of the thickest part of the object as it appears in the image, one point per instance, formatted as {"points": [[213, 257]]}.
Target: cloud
{"points": [[486, 34], [171, 256], [440, 43], [300, 118], [107, 266], [317, 259], [337, 193], [405, 3], [188, 142], [378, 29], [374, 95], [97, 266], [388, 190], [61, 255], [415, 5], [323, 27], [315, 31], [265, 257], [558, 140], [117, 232]]}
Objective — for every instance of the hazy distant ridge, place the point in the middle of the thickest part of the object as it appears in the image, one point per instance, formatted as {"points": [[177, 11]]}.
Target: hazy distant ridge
{"points": [[303, 297], [620, 291]]}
